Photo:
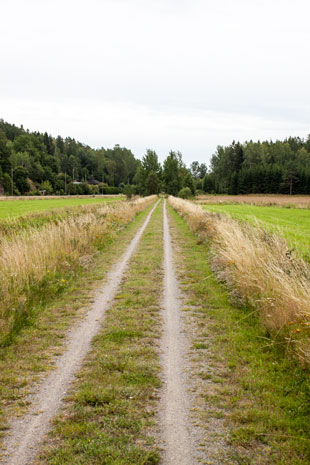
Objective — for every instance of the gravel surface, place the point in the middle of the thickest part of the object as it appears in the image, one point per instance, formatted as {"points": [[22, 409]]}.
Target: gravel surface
{"points": [[176, 428]]}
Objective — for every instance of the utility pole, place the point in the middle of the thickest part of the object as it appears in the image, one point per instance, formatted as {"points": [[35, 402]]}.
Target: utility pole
{"points": [[12, 181], [65, 183]]}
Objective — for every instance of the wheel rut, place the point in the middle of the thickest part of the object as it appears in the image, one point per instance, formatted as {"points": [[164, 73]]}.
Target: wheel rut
{"points": [[175, 410]]}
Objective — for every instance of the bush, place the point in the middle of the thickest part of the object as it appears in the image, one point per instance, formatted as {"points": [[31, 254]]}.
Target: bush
{"points": [[127, 191], [110, 190], [185, 193], [199, 192], [47, 187]]}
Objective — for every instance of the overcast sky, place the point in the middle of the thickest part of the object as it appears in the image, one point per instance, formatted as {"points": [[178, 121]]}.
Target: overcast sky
{"points": [[185, 75]]}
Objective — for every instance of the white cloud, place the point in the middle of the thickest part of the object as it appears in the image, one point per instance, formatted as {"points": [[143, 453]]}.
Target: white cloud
{"points": [[168, 74]]}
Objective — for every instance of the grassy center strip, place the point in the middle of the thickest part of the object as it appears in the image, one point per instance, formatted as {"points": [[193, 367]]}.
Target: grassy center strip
{"points": [[247, 382], [31, 354], [109, 416]]}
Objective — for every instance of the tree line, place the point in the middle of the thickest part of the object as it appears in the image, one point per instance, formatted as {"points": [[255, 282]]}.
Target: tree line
{"points": [[173, 177], [34, 162], [280, 167]]}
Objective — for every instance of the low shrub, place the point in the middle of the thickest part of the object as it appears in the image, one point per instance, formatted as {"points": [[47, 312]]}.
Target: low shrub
{"points": [[185, 193]]}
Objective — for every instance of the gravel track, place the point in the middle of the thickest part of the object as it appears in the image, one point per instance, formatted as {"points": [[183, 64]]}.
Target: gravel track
{"points": [[175, 412], [26, 433]]}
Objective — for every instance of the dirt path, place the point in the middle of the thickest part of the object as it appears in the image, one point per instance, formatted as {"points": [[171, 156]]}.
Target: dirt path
{"points": [[27, 433], [175, 413]]}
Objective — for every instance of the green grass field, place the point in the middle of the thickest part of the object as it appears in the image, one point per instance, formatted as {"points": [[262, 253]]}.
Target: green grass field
{"points": [[15, 208], [293, 223]]}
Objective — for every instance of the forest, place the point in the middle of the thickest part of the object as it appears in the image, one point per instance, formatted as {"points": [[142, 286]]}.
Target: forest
{"points": [[33, 163], [280, 167]]}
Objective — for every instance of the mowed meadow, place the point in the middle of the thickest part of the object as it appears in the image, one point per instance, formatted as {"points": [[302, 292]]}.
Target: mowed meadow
{"points": [[41, 252], [14, 207], [292, 223]]}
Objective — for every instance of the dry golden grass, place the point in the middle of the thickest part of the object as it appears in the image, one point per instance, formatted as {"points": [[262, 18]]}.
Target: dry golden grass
{"points": [[44, 197], [297, 201], [260, 266], [39, 262]]}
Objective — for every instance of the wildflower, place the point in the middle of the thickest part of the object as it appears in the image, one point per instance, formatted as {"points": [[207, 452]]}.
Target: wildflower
{"points": [[63, 280], [298, 330]]}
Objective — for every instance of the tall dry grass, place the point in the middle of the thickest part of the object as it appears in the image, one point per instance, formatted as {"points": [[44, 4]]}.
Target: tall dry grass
{"points": [[44, 197], [33, 221], [37, 263], [260, 266], [296, 201]]}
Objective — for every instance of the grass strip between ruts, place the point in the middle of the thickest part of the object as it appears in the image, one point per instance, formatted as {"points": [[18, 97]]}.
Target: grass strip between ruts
{"points": [[109, 414], [259, 392]]}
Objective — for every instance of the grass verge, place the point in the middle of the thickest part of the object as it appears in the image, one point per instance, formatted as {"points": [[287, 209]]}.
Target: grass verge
{"points": [[248, 383], [24, 362], [260, 269], [292, 223], [36, 265], [110, 412], [16, 207], [11, 226]]}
